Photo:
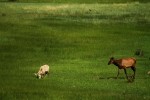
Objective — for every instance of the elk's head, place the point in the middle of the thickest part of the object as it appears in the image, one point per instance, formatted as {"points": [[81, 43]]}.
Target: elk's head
{"points": [[111, 61]]}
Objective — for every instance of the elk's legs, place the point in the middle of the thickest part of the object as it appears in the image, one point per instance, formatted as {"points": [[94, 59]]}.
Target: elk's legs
{"points": [[118, 73], [134, 70], [125, 73]]}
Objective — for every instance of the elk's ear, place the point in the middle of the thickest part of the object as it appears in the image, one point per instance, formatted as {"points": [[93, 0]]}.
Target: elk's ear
{"points": [[112, 58]]}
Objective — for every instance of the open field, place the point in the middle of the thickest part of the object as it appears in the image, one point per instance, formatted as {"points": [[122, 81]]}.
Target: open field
{"points": [[76, 1], [76, 40]]}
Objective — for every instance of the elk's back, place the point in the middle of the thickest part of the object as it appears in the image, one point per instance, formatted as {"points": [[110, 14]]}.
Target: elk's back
{"points": [[128, 62]]}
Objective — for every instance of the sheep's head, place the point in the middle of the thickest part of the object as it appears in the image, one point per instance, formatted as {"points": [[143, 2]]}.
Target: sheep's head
{"points": [[111, 60], [38, 75]]}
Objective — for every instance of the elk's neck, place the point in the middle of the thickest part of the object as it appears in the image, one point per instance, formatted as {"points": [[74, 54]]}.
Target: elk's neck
{"points": [[117, 63]]}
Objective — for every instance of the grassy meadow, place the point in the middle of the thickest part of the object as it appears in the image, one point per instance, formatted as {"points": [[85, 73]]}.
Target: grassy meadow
{"points": [[76, 41], [76, 1]]}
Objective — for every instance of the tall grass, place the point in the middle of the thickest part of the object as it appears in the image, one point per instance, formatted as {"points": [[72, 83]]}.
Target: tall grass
{"points": [[96, 13], [76, 1], [76, 41]]}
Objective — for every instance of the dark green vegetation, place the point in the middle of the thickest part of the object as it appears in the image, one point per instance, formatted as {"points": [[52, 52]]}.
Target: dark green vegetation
{"points": [[77, 41], [77, 1]]}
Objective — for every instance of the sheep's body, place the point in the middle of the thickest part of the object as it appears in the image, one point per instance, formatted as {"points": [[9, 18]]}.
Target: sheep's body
{"points": [[123, 64], [44, 70]]}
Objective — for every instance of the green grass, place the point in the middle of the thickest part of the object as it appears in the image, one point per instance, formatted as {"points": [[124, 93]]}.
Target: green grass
{"points": [[76, 1], [76, 40]]}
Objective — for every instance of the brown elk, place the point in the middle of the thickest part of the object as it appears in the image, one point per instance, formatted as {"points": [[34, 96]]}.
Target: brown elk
{"points": [[123, 64]]}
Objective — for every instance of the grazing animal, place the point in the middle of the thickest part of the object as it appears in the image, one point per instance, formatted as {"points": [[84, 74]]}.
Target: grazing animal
{"points": [[148, 72], [139, 52], [123, 64], [43, 71]]}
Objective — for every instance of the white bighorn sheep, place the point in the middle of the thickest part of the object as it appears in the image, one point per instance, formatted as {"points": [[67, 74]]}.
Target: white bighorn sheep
{"points": [[148, 72], [43, 71]]}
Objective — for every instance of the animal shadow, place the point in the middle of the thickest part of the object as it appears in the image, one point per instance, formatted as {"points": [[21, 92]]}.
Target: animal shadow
{"points": [[111, 78], [129, 80]]}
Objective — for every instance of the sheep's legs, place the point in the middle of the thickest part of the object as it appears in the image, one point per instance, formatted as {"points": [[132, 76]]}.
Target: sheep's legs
{"points": [[125, 73]]}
